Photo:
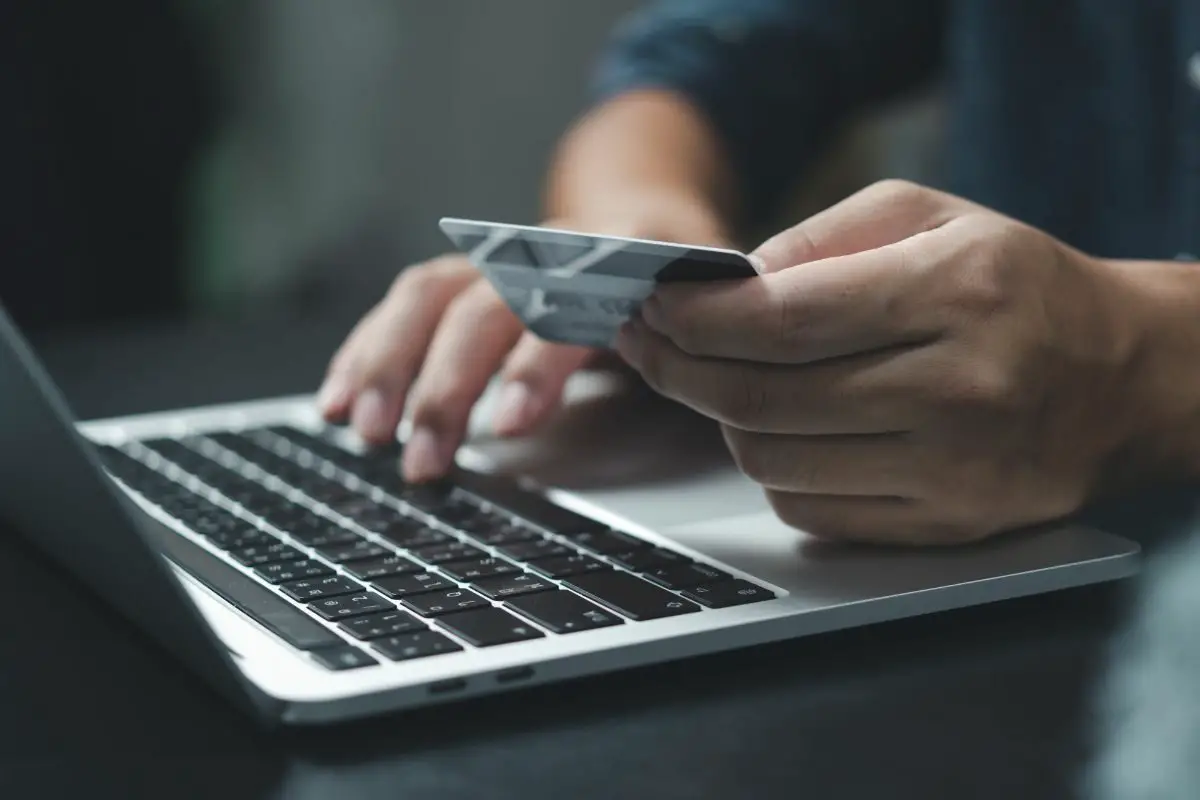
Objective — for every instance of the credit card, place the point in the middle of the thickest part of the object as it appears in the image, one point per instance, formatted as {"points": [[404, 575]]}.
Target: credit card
{"points": [[577, 288]]}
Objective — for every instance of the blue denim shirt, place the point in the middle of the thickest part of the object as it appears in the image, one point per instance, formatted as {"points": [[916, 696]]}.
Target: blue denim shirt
{"points": [[1079, 116]]}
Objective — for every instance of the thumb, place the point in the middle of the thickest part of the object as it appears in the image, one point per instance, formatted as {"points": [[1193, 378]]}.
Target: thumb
{"points": [[884, 213], [532, 383]]}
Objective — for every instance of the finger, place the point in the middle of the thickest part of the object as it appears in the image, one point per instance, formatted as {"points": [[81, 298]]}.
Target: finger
{"points": [[371, 374], [831, 308], [881, 214], [475, 335], [880, 392], [533, 380], [870, 520], [881, 465]]}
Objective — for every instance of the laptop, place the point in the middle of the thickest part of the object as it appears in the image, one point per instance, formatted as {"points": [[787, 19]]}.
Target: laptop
{"points": [[300, 576]]}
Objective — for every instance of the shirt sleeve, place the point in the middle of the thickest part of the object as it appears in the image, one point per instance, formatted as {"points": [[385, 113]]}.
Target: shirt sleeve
{"points": [[775, 78]]}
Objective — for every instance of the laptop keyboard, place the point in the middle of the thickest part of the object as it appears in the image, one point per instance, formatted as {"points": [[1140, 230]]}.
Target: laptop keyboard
{"points": [[402, 571]]}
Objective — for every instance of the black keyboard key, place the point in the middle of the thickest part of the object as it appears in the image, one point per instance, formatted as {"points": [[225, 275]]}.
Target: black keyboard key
{"points": [[411, 535], [381, 567], [535, 549], [256, 601], [487, 627], [512, 585], [376, 626], [476, 568], [283, 571], [310, 589], [451, 551], [563, 612], [630, 595], [408, 646], [446, 601], [685, 576], [504, 534], [350, 605], [404, 585], [325, 533], [343, 657], [607, 542], [728, 593], [562, 566], [527, 505], [256, 555], [642, 560], [353, 551], [244, 536]]}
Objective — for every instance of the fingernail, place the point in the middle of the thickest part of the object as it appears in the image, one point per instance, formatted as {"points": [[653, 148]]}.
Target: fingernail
{"points": [[370, 417], [422, 456], [333, 396], [515, 405]]}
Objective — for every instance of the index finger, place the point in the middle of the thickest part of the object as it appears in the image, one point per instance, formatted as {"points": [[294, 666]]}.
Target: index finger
{"points": [[824, 309]]}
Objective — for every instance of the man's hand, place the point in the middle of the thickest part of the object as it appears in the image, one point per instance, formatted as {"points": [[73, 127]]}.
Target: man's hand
{"points": [[434, 343], [910, 368]]}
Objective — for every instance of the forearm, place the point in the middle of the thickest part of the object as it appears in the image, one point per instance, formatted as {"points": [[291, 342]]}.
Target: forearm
{"points": [[645, 162]]}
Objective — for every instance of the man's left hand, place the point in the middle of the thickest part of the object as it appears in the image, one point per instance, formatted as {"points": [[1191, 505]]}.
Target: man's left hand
{"points": [[909, 368]]}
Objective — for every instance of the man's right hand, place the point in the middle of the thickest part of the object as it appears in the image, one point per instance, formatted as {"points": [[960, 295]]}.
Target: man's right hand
{"points": [[432, 346]]}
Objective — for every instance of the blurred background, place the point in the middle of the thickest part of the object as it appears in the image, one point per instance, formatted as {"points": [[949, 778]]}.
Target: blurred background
{"points": [[179, 158]]}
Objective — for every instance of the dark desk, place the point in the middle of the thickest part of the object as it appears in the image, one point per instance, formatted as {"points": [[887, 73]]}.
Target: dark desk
{"points": [[985, 703]]}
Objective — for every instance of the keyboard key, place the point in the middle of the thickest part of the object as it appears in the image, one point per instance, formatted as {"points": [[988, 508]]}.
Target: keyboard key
{"points": [[486, 627], [353, 551], [685, 576], [563, 612], [512, 585], [527, 505], [535, 549], [504, 534], [411, 535], [452, 551], [728, 593], [309, 589], [562, 566], [606, 542], [403, 585], [283, 571], [320, 532], [350, 605], [376, 626], [643, 560], [258, 554], [415, 645], [343, 658], [447, 601], [630, 595], [468, 571], [381, 567], [245, 536]]}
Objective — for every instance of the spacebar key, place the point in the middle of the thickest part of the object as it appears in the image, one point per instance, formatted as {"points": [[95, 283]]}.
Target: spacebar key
{"points": [[630, 595], [268, 609]]}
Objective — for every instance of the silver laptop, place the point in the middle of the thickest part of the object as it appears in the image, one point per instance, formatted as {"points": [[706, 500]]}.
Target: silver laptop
{"points": [[305, 580]]}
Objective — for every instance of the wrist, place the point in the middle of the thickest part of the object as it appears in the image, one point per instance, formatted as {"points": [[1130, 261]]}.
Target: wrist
{"points": [[1157, 305]]}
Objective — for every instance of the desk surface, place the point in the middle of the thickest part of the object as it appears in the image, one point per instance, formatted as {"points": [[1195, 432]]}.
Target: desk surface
{"points": [[985, 703]]}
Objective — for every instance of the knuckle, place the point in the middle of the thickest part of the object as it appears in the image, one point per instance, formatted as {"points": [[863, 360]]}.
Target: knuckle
{"points": [[428, 276], [895, 190], [978, 386]]}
